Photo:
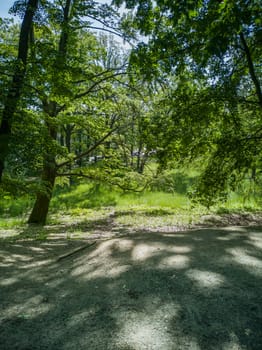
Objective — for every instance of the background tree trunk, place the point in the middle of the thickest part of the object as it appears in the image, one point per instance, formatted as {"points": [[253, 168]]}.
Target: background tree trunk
{"points": [[16, 85]]}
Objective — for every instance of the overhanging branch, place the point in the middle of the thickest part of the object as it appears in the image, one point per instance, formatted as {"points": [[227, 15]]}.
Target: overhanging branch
{"points": [[251, 68], [88, 151], [109, 181]]}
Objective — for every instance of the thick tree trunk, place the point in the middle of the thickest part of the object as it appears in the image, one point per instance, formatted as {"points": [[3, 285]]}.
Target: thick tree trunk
{"points": [[41, 206], [43, 197], [16, 85]]}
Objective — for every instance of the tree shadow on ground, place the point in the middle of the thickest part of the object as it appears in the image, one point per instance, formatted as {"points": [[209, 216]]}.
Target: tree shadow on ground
{"points": [[147, 290], [110, 223]]}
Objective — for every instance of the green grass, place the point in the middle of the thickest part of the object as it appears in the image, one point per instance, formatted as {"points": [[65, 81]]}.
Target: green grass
{"points": [[82, 196], [85, 197], [11, 222], [153, 199], [239, 203], [14, 207], [88, 205]]}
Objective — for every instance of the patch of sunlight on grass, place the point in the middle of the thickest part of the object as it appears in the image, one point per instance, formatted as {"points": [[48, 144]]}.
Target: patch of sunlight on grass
{"points": [[240, 256], [143, 252], [152, 331], [205, 279], [153, 199], [84, 196], [9, 234], [8, 281], [156, 217], [78, 215], [237, 203], [14, 206], [177, 261], [255, 240], [233, 343], [12, 222]]}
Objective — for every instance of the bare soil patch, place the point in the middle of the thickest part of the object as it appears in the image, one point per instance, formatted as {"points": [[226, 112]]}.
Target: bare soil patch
{"points": [[168, 290]]}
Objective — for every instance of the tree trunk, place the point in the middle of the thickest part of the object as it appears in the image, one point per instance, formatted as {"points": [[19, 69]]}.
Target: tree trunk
{"points": [[41, 206], [79, 136], [43, 198], [61, 137], [139, 158], [16, 85], [68, 138]]}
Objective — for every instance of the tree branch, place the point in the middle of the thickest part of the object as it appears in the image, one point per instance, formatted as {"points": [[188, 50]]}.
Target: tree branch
{"points": [[88, 91], [83, 154], [101, 29], [112, 183], [251, 68]]}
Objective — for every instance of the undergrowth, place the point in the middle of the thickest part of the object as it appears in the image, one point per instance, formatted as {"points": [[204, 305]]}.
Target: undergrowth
{"points": [[165, 203]]}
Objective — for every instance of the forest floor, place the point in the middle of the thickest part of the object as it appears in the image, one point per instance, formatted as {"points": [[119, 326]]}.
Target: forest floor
{"points": [[132, 289]]}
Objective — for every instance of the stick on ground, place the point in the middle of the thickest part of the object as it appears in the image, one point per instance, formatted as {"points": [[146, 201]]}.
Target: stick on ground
{"points": [[61, 257]]}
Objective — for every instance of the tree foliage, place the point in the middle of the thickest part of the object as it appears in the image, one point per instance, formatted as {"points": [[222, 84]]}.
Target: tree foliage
{"points": [[74, 103], [14, 89], [189, 92], [212, 51]]}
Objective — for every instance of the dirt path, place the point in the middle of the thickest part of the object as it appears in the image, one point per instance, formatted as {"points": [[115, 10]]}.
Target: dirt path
{"points": [[200, 289]]}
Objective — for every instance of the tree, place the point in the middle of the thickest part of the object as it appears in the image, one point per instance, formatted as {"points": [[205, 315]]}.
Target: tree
{"points": [[75, 106], [16, 84], [70, 81], [217, 45]]}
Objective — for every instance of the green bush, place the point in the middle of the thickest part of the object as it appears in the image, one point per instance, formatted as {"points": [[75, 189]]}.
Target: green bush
{"points": [[14, 206]]}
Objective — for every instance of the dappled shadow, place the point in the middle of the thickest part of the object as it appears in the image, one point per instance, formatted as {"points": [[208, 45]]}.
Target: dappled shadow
{"points": [[84, 227], [146, 290], [232, 219], [110, 222]]}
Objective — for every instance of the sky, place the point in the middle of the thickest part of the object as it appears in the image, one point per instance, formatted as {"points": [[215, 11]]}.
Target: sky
{"points": [[4, 7], [6, 4]]}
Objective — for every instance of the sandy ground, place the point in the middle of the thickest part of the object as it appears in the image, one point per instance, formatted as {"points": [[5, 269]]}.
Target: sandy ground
{"points": [[199, 289]]}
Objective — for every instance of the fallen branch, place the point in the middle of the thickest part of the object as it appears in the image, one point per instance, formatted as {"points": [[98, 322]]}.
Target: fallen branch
{"points": [[61, 257]]}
